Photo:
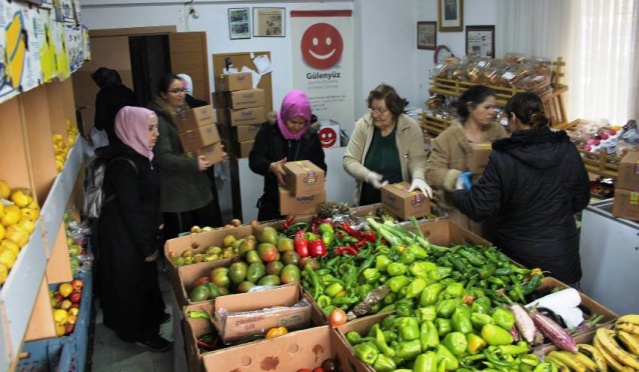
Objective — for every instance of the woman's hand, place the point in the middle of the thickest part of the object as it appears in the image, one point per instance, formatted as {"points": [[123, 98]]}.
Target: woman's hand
{"points": [[464, 181], [202, 163], [420, 184], [152, 257], [277, 169], [375, 179]]}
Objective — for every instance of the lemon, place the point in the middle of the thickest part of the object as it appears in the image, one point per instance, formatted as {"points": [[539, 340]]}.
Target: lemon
{"points": [[59, 329], [21, 197], [4, 271], [5, 190], [1, 232], [17, 234], [8, 244], [60, 316], [29, 214], [65, 289], [1, 208], [11, 215], [28, 225], [7, 258]]}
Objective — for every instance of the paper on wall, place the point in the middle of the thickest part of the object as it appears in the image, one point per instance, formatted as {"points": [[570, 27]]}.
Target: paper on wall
{"points": [[256, 77], [263, 64]]}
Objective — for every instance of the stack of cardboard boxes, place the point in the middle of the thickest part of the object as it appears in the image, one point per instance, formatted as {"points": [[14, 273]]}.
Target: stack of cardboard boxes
{"points": [[626, 204], [240, 111], [305, 188], [198, 133]]}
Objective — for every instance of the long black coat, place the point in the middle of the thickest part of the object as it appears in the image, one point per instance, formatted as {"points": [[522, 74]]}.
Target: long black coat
{"points": [[535, 182], [109, 100], [127, 234], [271, 146]]}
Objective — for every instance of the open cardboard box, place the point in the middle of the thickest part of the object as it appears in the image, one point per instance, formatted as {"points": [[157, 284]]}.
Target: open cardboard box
{"points": [[188, 274], [344, 349]]}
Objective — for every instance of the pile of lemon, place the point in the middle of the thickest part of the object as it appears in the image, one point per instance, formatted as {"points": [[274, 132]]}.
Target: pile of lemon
{"points": [[61, 148], [19, 212]]}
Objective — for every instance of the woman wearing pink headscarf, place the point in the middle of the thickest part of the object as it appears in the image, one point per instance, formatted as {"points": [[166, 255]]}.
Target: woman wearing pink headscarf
{"points": [[286, 136], [128, 231]]}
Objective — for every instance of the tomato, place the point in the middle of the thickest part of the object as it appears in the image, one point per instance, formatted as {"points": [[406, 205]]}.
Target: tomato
{"points": [[329, 365], [202, 280], [318, 369], [276, 332], [337, 317]]}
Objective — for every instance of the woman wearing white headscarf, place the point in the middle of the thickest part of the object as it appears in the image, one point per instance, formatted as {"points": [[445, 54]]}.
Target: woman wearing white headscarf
{"points": [[128, 231]]}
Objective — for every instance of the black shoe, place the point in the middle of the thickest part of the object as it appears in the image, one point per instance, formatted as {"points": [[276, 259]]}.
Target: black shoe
{"points": [[156, 343], [165, 318]]}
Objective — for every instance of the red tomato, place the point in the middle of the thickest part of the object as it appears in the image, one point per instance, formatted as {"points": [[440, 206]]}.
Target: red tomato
{"points": [[337, 317], [318, 369]]}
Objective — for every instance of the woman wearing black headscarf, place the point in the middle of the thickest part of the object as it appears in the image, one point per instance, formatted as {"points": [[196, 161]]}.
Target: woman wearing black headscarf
{"points": [[113, 96]]}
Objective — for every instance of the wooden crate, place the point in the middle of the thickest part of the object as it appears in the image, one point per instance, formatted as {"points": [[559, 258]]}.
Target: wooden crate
{"points": [[434, 125], [601, 163]]}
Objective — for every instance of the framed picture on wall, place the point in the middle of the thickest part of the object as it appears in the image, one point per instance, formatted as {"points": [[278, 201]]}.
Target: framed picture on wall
{"points": [[450, 14], [427, 35], [239, 24], [480, 41], [269, 22]]}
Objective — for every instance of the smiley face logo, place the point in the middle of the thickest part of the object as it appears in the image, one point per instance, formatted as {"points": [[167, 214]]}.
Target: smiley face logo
{"points": [[328, 137], [322, 46]]}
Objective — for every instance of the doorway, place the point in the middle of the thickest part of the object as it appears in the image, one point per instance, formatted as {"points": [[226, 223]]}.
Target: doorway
{"points": [[150, 59]]}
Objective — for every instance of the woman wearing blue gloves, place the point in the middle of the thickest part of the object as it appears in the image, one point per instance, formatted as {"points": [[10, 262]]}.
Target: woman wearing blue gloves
{"points": [[535, 182], [386, 146]]}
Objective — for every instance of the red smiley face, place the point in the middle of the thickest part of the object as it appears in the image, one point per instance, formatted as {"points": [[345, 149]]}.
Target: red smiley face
{"points": [[322, 46], [328, 137]]}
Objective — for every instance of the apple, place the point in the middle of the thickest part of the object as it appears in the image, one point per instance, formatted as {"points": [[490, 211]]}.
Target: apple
{"points": [[75, 306], [77, 284], [72, 319], [69, 329], [58, 297], [75, 297], [65, 304], [73, 311]]}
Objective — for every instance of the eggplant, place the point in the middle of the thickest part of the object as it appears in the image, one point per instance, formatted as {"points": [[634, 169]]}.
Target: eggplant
{"points": [[552, 315], [524, 323], [553, 331]]}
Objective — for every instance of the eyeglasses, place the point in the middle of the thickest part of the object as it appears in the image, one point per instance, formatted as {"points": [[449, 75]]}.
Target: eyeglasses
{"points": [[178, 91], [380, 111]]}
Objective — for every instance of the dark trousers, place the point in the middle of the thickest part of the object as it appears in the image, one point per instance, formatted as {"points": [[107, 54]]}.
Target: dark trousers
{"points": [[176, 223]]}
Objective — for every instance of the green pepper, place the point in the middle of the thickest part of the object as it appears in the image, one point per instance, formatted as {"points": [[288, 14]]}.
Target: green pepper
{"points": [[461, 320], [408, 328], [446, 308], [389, 336], [495, 335], [475, 343], [415, 288], [426, 362], [396, 283], [327, 232], [408, 350], [421, 268], [481, 305], [487, 270], [338, 301], [475, 258], [444, 326], [428, 335], [503, 318], [407, 258], [382, 261], [418, 251], [333, 289], [532, 284], [387, 308], [503, 271], [384, 364], [367, 352], [388, 322], [459, 264], [396, 268], [390, 298], [427, 313], [479, 320], [323, 301], [372, 331], [363, 290], [375, 308], [403, 309], [371, 275], [444, 355], [453, 290], [327, 310], [520, 348], [353, 338], [455, 342], [430, 293], [380, 341]]}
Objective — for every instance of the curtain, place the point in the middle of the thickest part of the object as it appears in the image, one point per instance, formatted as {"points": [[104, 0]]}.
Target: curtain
{"points": [[598, 39]]}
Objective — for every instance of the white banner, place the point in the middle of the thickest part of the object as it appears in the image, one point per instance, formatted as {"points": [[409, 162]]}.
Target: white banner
{"points": [[323, 62]]}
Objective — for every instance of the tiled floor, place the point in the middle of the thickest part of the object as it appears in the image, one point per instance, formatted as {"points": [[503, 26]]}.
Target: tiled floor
{"points": [[110, 354]]}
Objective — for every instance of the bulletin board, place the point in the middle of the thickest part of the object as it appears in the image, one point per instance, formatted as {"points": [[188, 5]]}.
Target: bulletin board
{"points": [[239, 60]]}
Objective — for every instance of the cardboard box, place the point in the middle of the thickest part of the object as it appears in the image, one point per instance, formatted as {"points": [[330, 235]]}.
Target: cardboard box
{"points": [[233, 82], [194, 328], [628, 178], [245, 148], [195, 139], [626, 204], [344, 349], [329, 134], [242, 321], [247, 116], [214, 153], [188, 274], [297, 205], [479, 157], [247, 132], [403, 204], [194, 118], [304, 178], [247, 98]]}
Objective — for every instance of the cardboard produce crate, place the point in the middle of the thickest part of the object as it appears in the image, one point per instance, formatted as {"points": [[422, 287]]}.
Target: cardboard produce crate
{"points": [[199, 137], [194, 118], [299, 205], [628, 178], [188, 274], [247, 116], [626, 204], [345, 350], [479, 157], [213, 153], [247, 132], [402, 203], [233, 82], [303, 178]]}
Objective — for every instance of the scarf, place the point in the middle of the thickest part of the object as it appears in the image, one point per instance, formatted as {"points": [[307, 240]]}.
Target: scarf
{"points": [[295, 104], [132, 128], [188, 83]]}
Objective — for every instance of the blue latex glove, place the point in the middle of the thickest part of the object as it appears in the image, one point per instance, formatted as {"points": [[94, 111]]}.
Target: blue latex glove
{"points": [[464, 181]]}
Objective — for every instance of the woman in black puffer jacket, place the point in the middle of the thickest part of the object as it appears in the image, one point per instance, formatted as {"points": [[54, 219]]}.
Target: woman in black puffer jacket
{"points": [[534, 183]]}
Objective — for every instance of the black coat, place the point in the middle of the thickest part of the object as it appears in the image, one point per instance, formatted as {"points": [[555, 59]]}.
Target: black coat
{"points": [[109, 100], [127, 234], [270, 145], [534, 183]]}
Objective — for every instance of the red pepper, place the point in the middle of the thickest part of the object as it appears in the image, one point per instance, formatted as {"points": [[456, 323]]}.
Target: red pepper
{"points": [[210, 346], [351, 231], [301, 244], [346, 250], [360, 244], [288, 222], [318, 248], [370, 236]]}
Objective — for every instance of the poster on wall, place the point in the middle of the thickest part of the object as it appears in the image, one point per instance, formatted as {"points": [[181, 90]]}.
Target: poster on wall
{"points": [[322, 62]]}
